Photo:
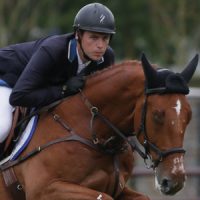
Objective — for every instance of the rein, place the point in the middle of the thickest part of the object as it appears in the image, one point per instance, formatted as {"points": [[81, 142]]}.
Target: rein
{"points": [[146, 144], [95, 113]]}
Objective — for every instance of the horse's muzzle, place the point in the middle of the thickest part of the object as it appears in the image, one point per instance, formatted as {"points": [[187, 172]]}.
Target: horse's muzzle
{"points": [[170, 187]]}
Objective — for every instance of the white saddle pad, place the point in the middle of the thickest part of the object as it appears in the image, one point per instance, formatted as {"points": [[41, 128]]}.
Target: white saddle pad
{"points": [[23, 141]]}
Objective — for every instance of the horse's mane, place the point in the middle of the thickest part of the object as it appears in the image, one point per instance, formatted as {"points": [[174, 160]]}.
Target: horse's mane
{"points": [[115, 67], [127, 74]]}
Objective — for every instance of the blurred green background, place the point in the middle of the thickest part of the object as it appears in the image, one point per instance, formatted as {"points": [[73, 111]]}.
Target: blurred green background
{"points": [[167, 31]]}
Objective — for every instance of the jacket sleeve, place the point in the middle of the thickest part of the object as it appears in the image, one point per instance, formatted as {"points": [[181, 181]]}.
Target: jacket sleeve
{"points": [[31, 89]]}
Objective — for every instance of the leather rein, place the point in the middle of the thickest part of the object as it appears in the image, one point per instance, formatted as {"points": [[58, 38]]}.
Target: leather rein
{"points": [[142, 130]]}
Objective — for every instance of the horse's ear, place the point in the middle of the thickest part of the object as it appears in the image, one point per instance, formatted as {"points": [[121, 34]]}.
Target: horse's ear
{"points": [[188, 72], [149, 72]]}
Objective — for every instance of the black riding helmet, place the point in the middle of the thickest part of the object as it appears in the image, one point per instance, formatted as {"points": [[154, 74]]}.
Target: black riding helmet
{"points": [[95, 17]]}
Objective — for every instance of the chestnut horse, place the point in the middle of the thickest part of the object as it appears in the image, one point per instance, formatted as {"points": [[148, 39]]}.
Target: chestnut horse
{"points": [[82, 147]]}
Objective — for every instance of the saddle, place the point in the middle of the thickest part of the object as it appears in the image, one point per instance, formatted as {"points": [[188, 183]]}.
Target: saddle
{"points": [[21, 118], [15, 131]]}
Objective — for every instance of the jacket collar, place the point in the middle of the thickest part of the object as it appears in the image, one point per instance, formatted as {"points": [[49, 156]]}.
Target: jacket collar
{"points": [[72, 50]]}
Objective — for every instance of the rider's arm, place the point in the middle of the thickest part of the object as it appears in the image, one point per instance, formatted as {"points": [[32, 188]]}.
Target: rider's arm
{"points": [[31, 89]]}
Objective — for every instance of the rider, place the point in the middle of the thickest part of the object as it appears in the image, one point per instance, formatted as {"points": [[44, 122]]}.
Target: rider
{"points": [[37, 73]]}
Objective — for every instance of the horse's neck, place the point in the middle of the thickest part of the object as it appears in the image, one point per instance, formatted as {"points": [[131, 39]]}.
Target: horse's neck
{"points": [[117, 84], [115, 91]]}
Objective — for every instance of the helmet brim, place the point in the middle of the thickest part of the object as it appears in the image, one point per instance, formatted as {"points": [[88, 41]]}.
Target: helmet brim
{"points": [[97, 30]]}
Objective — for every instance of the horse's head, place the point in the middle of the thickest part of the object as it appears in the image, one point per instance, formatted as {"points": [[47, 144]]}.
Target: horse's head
{"points": [[161, 124]]}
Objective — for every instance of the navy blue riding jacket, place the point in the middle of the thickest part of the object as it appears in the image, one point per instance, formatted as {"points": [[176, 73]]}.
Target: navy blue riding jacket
{"points": [[37, 70]]}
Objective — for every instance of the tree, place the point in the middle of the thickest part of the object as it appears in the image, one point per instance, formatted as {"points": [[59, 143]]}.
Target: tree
{"points": [[167, 31]]}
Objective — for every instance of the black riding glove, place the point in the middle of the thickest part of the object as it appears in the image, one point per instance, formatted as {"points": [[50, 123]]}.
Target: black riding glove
{"points": [[73, 85]]}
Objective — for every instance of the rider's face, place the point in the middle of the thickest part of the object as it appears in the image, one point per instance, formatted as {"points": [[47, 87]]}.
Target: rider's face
{"points": [[94, 44]]}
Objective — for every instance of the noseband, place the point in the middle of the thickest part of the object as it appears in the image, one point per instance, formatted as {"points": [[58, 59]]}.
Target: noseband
{"points": [[148, 146]]}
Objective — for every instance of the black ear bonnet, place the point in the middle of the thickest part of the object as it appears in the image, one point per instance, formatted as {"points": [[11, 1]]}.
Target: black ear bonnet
{"points": [[165, 81]]}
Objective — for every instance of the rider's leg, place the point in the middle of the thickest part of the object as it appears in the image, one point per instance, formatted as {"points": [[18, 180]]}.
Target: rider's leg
{"points": [[5, 113]]}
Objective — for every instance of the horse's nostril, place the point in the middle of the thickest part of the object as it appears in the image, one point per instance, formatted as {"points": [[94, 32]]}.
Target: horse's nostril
{"points": [[165, 182], [166, 185]]}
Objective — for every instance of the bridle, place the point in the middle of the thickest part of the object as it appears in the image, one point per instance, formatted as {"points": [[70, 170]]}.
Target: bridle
{"points": [[148, 146]]}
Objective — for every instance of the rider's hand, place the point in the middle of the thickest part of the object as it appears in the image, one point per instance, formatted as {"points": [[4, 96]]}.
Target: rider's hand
{"points": [[73, 85]]}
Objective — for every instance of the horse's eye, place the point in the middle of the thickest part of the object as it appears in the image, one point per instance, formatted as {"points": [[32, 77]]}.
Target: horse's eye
{"points": [[158, 116]]}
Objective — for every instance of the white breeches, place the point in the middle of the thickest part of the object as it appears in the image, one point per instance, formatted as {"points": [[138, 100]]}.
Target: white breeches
{"points": [[6, 112]]}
